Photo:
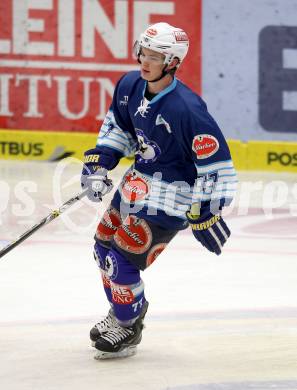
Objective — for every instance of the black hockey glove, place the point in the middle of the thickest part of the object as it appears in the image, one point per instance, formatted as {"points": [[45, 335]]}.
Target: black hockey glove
{"points": [[94, 177], [210, 230]]}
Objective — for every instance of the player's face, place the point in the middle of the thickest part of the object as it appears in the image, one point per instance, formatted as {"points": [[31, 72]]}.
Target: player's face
{"points": [[152, 64]]}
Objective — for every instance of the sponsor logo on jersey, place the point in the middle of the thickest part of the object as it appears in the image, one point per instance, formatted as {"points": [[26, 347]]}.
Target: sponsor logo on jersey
{"points": [[161, 121], [111, 266], [109, 224], [134, 235], [205, 145], [154, 253], [135, 187], [121, 294], [181, 36]]}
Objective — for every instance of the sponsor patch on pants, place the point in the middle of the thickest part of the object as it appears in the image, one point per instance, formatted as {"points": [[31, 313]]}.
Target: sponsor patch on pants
{"points": [[121, 294], [108, 225], [134, 235]]}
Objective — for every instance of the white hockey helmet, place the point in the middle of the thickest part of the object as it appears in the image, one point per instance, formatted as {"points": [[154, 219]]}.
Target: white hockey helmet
{"points": [[163, 38]]}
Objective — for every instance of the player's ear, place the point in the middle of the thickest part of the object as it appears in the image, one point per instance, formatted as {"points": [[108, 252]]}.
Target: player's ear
{"points": [[173, 63]]}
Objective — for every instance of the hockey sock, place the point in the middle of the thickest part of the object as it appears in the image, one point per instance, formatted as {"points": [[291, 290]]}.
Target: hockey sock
{"points": [[126, 287], [100, 253]]}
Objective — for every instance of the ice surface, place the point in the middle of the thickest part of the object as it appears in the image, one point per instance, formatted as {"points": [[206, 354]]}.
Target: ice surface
{"points": [[224, 322]]}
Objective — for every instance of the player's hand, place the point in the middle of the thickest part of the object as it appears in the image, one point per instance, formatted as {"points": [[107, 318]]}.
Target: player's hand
{"points": [[94, 177], [211, 231]]}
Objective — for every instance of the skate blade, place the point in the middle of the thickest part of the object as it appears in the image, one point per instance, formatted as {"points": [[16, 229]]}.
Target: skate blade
{"points": [[129, 351]]}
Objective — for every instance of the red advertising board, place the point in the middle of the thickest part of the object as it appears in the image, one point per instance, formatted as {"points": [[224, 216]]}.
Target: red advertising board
{"points": [[60, 59]]}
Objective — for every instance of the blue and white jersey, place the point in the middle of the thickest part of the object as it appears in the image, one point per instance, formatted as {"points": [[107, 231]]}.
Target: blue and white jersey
{"points": [[181, 156]]}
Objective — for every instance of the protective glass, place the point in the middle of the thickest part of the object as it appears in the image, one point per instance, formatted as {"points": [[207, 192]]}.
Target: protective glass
{"points": [[151, 58]]}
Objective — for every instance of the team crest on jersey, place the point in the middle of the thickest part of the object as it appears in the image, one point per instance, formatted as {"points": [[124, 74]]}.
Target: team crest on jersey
{"points": [[135, 187], [148, 151], [205, 145], [134, 235]]}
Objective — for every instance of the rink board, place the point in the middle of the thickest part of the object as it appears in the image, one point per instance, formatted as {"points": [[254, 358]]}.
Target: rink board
{"points": [[53, 146]]}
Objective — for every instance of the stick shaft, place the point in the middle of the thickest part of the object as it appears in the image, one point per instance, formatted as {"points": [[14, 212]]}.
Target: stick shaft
{"points": [[53, 215]]}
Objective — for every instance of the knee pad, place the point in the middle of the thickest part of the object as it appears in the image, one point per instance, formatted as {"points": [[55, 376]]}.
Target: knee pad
{"points": [[119, 269]]}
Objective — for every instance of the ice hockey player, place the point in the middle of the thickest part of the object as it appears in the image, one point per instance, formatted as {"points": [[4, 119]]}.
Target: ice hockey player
{"points": [[183, 175]]}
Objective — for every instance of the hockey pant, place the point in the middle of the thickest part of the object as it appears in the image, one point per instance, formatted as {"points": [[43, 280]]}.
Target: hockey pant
{"points": [[122, 249]]}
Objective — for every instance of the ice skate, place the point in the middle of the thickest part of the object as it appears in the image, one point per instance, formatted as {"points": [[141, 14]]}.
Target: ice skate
{"points": [[102, 327], [120, 341]]}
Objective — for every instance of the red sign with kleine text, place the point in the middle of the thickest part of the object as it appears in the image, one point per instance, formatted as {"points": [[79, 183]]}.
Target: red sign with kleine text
{"points": [[60, 59]]}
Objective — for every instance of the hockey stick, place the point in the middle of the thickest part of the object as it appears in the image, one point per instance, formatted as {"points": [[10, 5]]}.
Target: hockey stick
{"points": [[53, 215]]}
